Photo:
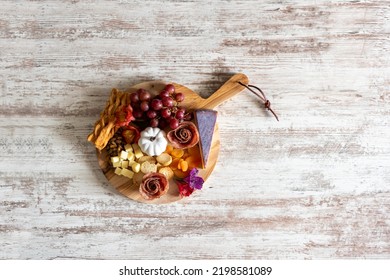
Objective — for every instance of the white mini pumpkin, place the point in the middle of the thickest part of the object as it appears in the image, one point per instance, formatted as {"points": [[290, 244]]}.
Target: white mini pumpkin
{"points": [[153, 141]]}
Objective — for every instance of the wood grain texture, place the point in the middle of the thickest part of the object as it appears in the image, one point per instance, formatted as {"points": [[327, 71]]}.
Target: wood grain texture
{"points": [[315, 185]]}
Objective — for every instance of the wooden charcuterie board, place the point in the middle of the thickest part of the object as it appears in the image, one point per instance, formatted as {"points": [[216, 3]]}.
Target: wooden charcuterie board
{"points": [[192, 101]]}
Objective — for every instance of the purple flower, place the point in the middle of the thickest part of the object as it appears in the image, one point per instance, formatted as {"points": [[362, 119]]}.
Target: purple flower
{"points": [[193, 180]]}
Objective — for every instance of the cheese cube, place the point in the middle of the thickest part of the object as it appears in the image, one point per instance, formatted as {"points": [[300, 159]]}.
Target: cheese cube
{"points": [[136, 167], [130, 156], [127, 173], [118, 171], [125, 164], [114, 159], [128, 148], [124, 155], [117, 164], [137, 151]]}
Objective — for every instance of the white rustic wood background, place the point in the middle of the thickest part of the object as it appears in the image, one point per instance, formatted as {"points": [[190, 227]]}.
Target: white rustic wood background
{"points": [[315, 185]]}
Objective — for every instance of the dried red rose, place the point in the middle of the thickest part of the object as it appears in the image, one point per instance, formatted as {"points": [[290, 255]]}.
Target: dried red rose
{"points": [[124, 115], [153, 186], [185, 136]]}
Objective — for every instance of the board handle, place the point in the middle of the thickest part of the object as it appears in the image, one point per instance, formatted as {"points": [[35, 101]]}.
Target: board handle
{"points": [[226, 91]]}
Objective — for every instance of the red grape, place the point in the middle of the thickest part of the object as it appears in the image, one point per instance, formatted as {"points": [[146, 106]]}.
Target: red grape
{"points": [[170, 88], [144, 95], [135, 106], [164, 93], [144, 106], [165, 113], [179, 97], [162, 123], [137, 113], [163, 110], [173, 123], [180, 114], [134, 97], [151, 114], [167, 102], [156, 104], [153, 123]]}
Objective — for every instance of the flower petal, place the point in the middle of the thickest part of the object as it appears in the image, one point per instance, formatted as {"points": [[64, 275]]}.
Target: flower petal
{"points": [[197, 183], [184, 189]]}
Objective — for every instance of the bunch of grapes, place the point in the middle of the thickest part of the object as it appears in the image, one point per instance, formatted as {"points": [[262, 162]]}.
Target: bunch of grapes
{"points": [[160, 111]]}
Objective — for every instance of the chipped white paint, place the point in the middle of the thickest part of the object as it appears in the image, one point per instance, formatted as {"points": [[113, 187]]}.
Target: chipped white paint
{"points": [[315, 185]]}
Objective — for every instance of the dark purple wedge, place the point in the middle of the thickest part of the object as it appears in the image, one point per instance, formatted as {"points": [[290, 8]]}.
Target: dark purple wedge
{"points": [[205, 120]]}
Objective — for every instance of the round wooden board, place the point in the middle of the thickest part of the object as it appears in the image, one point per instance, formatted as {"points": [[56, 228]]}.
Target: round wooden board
{"points": [[125, 185]]}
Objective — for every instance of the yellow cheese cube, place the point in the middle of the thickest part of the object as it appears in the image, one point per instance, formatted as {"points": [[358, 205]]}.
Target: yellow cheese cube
{"points": [[124, 155], [114, 159], [136, 167], [137, 151], [118, 171], [117, 164], [130, 156], [128, 148], [125, 164], [127, 173]]}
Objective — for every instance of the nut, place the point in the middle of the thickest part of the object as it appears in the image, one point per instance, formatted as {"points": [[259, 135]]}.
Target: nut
{"points": [[115, 145]]}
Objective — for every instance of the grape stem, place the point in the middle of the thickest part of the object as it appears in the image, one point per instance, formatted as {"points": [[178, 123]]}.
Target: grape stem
{"points": [[267, 103]]}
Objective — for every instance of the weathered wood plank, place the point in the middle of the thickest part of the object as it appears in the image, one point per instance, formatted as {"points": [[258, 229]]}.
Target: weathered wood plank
{"points": [[313, 186]]}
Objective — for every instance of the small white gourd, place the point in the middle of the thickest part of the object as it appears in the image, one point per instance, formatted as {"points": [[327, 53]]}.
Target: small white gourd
{"points": [[153, 141]]}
